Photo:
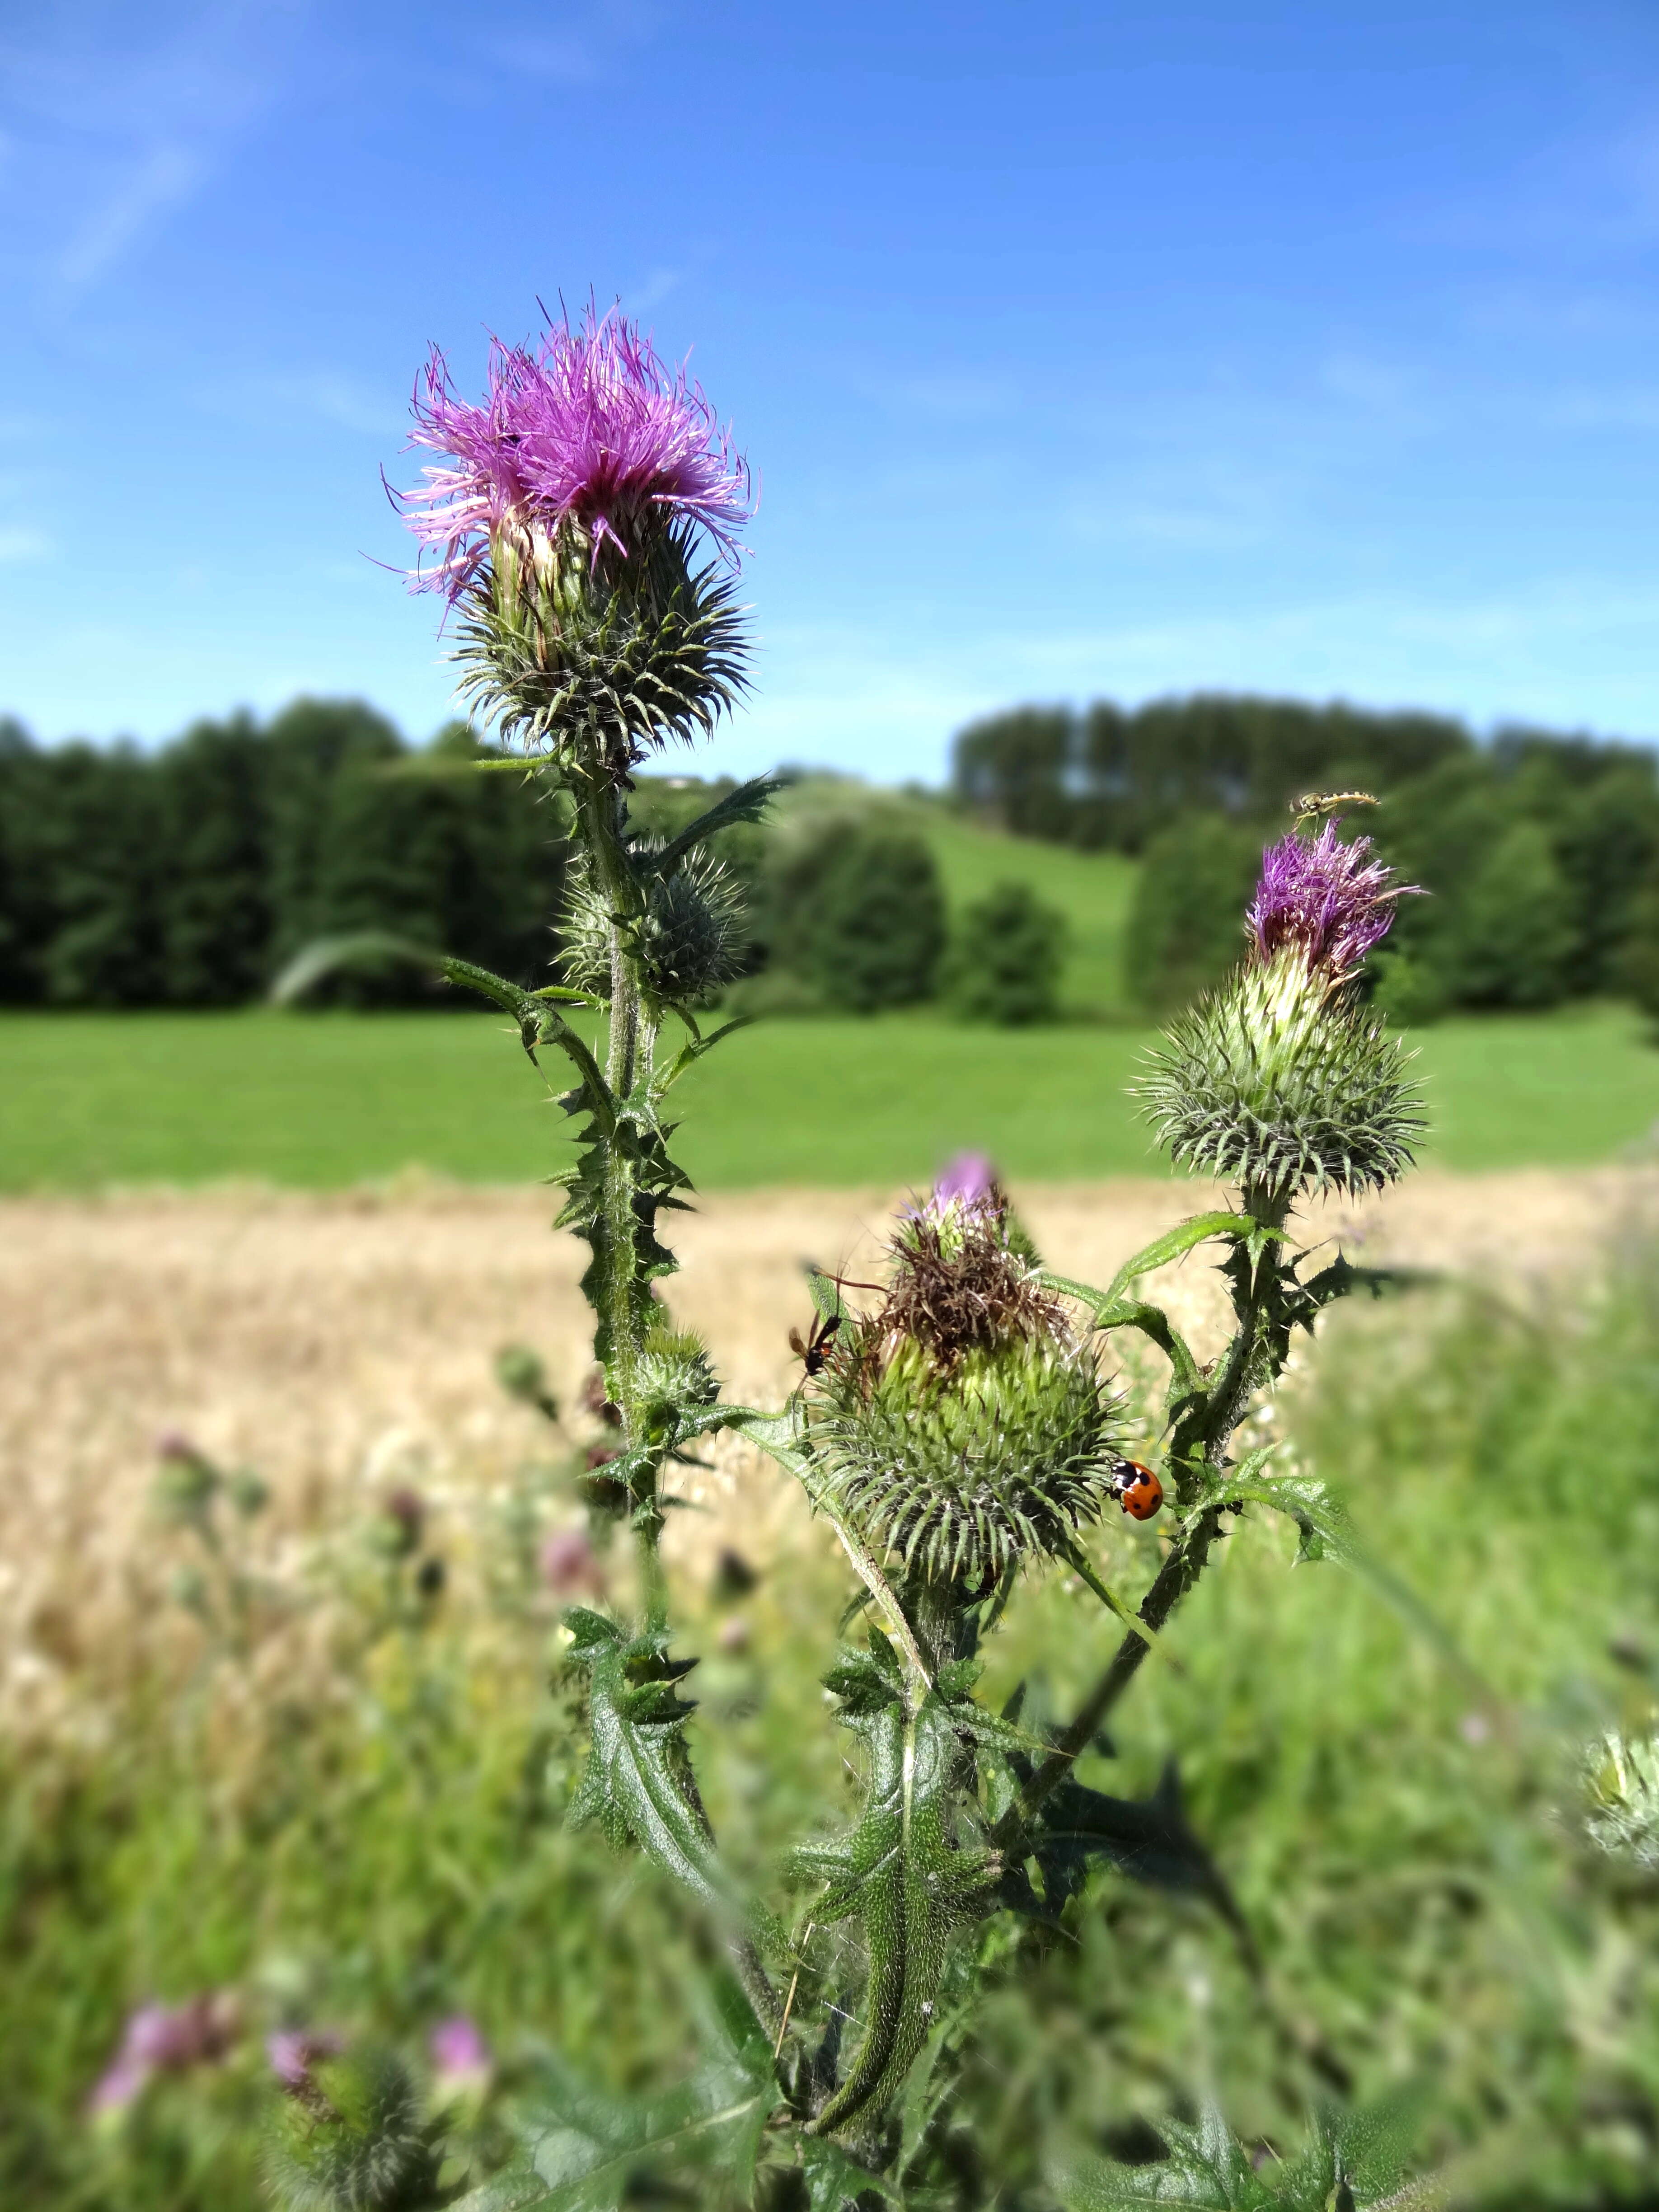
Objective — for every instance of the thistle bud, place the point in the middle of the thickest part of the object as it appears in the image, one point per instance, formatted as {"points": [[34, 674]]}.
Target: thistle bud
{"points": [[1281, 1079], [689, 939], [351, 2136], [568, 529], [963, 1424], [673, 1374]]}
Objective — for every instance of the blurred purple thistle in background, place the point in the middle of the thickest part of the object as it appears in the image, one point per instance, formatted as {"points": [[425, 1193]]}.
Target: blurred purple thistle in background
{"points": [[567, 1559], [1328, 897], [460, 2057], [589, 424], [164, 2040]]}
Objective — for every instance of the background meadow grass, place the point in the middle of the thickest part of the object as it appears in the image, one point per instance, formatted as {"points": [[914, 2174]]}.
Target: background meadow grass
{"points": [[356, 1818], [323, 1101]]}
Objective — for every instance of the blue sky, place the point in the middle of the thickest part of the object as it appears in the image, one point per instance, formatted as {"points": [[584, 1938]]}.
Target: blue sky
{"points": [[1080, 349]]}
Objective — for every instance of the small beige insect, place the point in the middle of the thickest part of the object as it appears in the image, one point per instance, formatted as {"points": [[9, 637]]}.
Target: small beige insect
{"points": [[1313, 804]]}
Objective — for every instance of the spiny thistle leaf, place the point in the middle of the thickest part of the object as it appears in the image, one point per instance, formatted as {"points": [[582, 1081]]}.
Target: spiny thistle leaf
{"points": [[748, 803], [835, 2182], [1355, 2162], [637, 1784], [586, 2149]]}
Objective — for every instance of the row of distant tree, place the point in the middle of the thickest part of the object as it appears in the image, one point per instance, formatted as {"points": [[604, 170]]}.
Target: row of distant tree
{"points": [[1110, 778], [1539, 852], [190, 875]]}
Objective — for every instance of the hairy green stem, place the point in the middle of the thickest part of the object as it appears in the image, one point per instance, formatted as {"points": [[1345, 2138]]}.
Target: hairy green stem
{"points": [[600, 815], [1200, 1440]]}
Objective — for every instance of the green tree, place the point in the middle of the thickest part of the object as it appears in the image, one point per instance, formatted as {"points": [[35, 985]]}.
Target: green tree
{"points": [[1016, 766], [1005, 961], [102, 849], [24, 904], [215, 917], [312, 743], [1511, 939], [864, 917], [1183, 933], [1606, 838]]}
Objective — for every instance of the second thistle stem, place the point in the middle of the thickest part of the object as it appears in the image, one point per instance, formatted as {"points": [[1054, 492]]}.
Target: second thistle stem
{"points": [[1201, 1437]]}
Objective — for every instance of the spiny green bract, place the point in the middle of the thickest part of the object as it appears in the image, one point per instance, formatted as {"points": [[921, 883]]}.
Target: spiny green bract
{"points": [[1277, 1080], [689, 939], [1621, 1780], [672, 1372], [958, 1473], [599, 662], [350, 2138]]}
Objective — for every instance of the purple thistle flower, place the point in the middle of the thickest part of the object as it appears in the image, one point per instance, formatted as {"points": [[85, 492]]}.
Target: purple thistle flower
{"points": [[589, 424], [164, 2040], [293, 2051], [457, 2049], [1328, 897]]}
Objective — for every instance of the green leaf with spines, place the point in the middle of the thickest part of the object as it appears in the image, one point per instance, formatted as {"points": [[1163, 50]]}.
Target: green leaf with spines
{"points": [[748, 803], [838, 2182], [637, 1782], [587, 2150], [1148, 1839], [1355, 2162]]}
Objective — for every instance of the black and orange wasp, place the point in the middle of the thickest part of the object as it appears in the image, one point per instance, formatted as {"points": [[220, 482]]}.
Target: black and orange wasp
{"points": [[810, 1351]]}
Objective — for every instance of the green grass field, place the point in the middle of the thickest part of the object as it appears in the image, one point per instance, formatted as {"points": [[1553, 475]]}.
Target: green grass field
{"points": [[325, 1100]]}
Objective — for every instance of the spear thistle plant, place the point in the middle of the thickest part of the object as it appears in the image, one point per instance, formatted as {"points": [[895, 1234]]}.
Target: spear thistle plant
{"points": [[958, 1430]]}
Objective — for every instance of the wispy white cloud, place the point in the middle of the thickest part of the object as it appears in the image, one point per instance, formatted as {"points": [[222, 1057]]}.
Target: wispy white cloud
{"points": [[162, 177], [116, 118], [19, 542], [324, 395], [581, 49], [864, 699]]}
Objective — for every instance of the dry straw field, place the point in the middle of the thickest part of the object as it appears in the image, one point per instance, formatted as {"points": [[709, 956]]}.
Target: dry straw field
{"points": [[344, 1344]]}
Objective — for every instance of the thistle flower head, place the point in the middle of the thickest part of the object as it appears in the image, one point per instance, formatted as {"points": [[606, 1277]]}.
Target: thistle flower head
{"points": [[572, 516], [585, 426], [1327, 899], [961, 1424], [1278, 1079], [970, 1180]]}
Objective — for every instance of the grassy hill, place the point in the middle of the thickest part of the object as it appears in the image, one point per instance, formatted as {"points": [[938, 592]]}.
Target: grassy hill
{"points": [[1093, 891]]}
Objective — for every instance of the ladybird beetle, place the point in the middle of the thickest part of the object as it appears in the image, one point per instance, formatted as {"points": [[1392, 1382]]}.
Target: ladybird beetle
{"points": [[1138, 1490]]}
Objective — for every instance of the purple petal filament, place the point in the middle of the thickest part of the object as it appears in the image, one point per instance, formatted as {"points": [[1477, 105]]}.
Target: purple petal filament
{"points": [[1329, 897], [587, 424], [970, 1179]]}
